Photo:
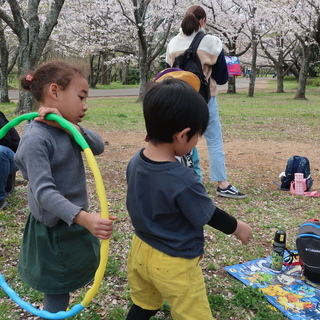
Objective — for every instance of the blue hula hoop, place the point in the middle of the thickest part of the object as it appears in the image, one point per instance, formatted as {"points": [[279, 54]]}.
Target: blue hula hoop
{"points": [[104, 245]]}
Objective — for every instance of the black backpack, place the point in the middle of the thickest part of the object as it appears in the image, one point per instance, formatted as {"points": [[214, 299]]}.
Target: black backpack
{"points": [[189, 61], [296, 164], [308, 246]]}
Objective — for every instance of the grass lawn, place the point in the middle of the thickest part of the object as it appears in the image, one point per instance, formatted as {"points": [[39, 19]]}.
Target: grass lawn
{"points": [[260, 134]]}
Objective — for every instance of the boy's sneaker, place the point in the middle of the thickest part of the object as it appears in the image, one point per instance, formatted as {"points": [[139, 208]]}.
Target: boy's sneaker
{"points": [[3, 203], [230, 192]]}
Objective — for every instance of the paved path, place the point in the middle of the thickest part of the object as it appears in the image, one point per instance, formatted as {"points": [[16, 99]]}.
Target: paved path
{"points": [[241, 83]]}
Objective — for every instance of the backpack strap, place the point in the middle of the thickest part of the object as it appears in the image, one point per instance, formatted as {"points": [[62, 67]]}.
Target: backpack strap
{"points": [[196, 41], [292, 259]]}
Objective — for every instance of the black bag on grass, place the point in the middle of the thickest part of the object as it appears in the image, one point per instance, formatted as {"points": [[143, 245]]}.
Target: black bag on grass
{"points": [[296, 164], [308, 246]]}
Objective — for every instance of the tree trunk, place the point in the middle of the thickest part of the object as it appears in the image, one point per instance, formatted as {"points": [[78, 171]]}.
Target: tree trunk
{"points": [[33, 34], [105, 78], [27, 60], [280, 86], [125, 73], [280, 77], [232, 84], [4, 58], [317, 33], [94, 71], [4, 87], [30, 104], [147, 51], [252, 76], [280, 73], [143, 66], [302, 83]]}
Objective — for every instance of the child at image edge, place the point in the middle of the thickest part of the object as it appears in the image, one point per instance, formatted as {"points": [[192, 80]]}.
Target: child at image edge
{"points": [[169, 207], [60, 246]]}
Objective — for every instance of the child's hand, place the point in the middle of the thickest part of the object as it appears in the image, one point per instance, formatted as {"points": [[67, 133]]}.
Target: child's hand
{"points": [[99, 227], [243, 232], [43, 111]]}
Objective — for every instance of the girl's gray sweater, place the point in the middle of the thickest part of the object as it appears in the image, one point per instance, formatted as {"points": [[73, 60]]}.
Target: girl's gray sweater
{"points": [[50, 159]]}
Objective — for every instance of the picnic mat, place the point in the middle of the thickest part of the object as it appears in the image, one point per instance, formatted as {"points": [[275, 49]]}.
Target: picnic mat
{"points": [[286, 290]]}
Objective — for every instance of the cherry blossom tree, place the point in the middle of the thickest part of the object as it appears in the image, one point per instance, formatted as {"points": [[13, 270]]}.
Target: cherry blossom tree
{"points": [[278, 42], [116, 35], [95, 35], [278, 50], [305, 14], [32, 22], [304, 17], [152, 21], [225, 20], [241, 25], [128, 32], [253, 22]]}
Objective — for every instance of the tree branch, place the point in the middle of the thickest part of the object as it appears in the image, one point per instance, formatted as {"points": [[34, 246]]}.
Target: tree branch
{"points": [[16, 24], [51, 19]]}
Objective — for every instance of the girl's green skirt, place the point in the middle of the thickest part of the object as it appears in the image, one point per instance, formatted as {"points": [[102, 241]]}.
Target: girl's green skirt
{"points": [[59, 259]]}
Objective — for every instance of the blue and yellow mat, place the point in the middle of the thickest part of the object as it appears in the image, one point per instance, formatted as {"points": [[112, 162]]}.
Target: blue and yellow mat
{"points": [[287, 290]]}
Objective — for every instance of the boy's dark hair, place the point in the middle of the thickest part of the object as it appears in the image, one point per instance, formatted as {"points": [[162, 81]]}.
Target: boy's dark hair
{"points": [[171, 106]]}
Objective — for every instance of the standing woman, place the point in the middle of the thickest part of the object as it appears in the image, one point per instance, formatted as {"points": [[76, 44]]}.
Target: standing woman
{"points": [[214, 68]]}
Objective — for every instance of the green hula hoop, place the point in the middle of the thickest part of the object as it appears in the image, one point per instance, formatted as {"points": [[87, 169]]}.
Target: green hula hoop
{"points": [[104, 248]]}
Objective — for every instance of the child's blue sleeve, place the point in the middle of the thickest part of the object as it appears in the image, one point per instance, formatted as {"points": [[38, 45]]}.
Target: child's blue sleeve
{"points": [[196, 162], [220, 70]]}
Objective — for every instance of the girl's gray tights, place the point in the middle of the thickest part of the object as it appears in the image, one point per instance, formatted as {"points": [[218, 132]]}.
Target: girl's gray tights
{"points": [[56, 302]]}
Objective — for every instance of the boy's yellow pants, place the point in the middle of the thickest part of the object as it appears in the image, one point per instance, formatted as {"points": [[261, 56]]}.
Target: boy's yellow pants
{"points": [[155, 276]]}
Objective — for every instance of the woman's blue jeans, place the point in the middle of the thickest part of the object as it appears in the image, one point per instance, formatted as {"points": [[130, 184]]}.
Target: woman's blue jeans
{"points": [[213, 136], [7, 166]]}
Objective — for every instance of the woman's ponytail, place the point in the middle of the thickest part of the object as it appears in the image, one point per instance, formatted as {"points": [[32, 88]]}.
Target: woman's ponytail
{"points": [[191, 21]]}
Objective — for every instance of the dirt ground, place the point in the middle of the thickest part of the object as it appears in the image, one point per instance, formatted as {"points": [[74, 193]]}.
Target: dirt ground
{"points": [[245, 155], [264, 156]]}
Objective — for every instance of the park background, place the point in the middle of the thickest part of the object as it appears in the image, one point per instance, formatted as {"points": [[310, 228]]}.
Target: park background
{"points": [[125, 40], [124, 43], [260, 134]]}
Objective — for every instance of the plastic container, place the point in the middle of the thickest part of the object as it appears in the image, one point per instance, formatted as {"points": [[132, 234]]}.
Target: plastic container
{"points": [[279, 246]]}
